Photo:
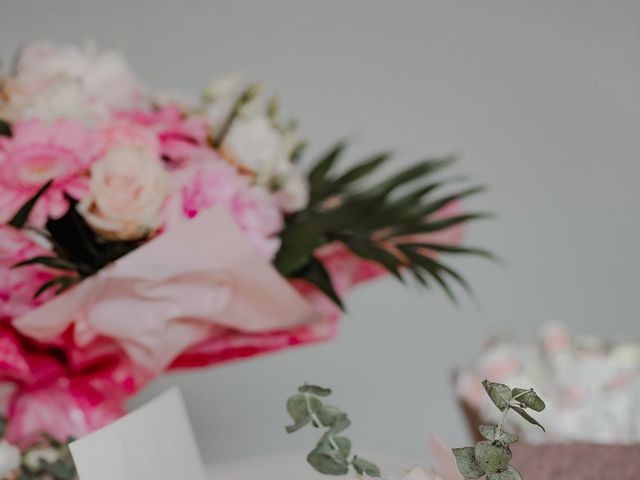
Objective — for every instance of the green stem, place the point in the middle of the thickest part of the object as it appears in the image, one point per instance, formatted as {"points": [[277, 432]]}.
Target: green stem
{"points": [[506, 411], [316, 420]]}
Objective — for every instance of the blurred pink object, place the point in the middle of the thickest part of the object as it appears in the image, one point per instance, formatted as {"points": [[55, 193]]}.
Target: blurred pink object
{"points": [[444, 463], [180, 289]]}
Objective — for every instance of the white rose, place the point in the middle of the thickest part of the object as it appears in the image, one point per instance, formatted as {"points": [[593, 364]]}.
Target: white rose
{"points": [[127, 189], [9, 458], [255, 144], [53, 81]]}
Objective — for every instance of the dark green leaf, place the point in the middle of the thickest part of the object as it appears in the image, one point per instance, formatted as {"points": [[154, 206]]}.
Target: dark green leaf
{"points": [[363, 466], [438, 247], [317, 275], [315, 390], [21, 217], [5, 128], [467, 464], [3, 426], [51, 262], [62, 283], [529, 398], [437, 225], [527, 417], [362, 169], [407, 175], [492, 458], [325, 163], [369, 250], [499, 393]]}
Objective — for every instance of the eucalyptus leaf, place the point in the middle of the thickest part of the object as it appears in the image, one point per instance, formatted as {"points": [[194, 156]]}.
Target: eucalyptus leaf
{"points": [[344, 445], [327, 460], [328, 414], [510, 473], [467, 463], [529, 398], [298, 407], [492, 458], [363, 466], [489, 432], [499, 393], [527, 417], [315, 390]]}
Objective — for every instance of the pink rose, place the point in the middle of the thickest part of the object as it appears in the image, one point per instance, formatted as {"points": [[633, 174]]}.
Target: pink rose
{"points": [[39, 152]]}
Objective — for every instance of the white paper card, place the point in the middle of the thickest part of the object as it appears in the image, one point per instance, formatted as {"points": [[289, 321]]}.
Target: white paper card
{"points": [[154, 442]]}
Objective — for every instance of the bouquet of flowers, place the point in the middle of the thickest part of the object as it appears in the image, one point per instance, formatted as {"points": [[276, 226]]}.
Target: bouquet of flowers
{"points": [[142, 232]]}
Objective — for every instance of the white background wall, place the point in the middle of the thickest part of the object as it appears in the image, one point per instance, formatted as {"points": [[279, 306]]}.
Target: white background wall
{"points": [[541, 100]]}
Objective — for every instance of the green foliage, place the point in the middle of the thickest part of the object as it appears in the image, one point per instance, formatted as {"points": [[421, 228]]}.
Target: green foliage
{"points": [[492, 457], [20, 218], [331, 454], [78, 250], [5, 128], [383, 222]]}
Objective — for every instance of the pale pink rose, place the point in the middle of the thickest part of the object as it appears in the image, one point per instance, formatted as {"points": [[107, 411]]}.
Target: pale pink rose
{"points": [[180, 136], [211, 181], [18, 285], [52, 82], [38, 152], [128, 185]]}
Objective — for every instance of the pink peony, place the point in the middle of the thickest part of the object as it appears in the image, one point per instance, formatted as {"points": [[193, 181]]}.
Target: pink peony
{"points": [[18, 285], [211, 181], [180, 137], [50, 394], [37, 153]]}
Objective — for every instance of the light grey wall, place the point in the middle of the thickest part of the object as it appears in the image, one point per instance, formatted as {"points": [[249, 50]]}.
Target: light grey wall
{"points": [[540, 98]]}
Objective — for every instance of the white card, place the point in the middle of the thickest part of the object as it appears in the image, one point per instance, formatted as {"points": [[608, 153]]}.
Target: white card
{"points": [[154, 442]]}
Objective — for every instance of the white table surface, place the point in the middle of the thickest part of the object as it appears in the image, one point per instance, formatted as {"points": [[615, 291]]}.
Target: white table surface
{"points": [[289, 466]]}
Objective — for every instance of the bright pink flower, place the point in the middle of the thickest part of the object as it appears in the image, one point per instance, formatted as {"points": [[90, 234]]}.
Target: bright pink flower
{"points": [[211, 181], [50, 394], [180, 136], [71, 405], [18, 285], [39, 152]]}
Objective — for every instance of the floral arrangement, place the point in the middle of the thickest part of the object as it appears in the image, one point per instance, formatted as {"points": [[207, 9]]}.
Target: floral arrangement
{"points": [[142, 232], [589, 383], [490, 457]]}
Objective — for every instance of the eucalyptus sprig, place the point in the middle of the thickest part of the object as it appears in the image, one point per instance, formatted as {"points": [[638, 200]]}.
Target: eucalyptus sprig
{"points": [[331, 454], [492, 457]]}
